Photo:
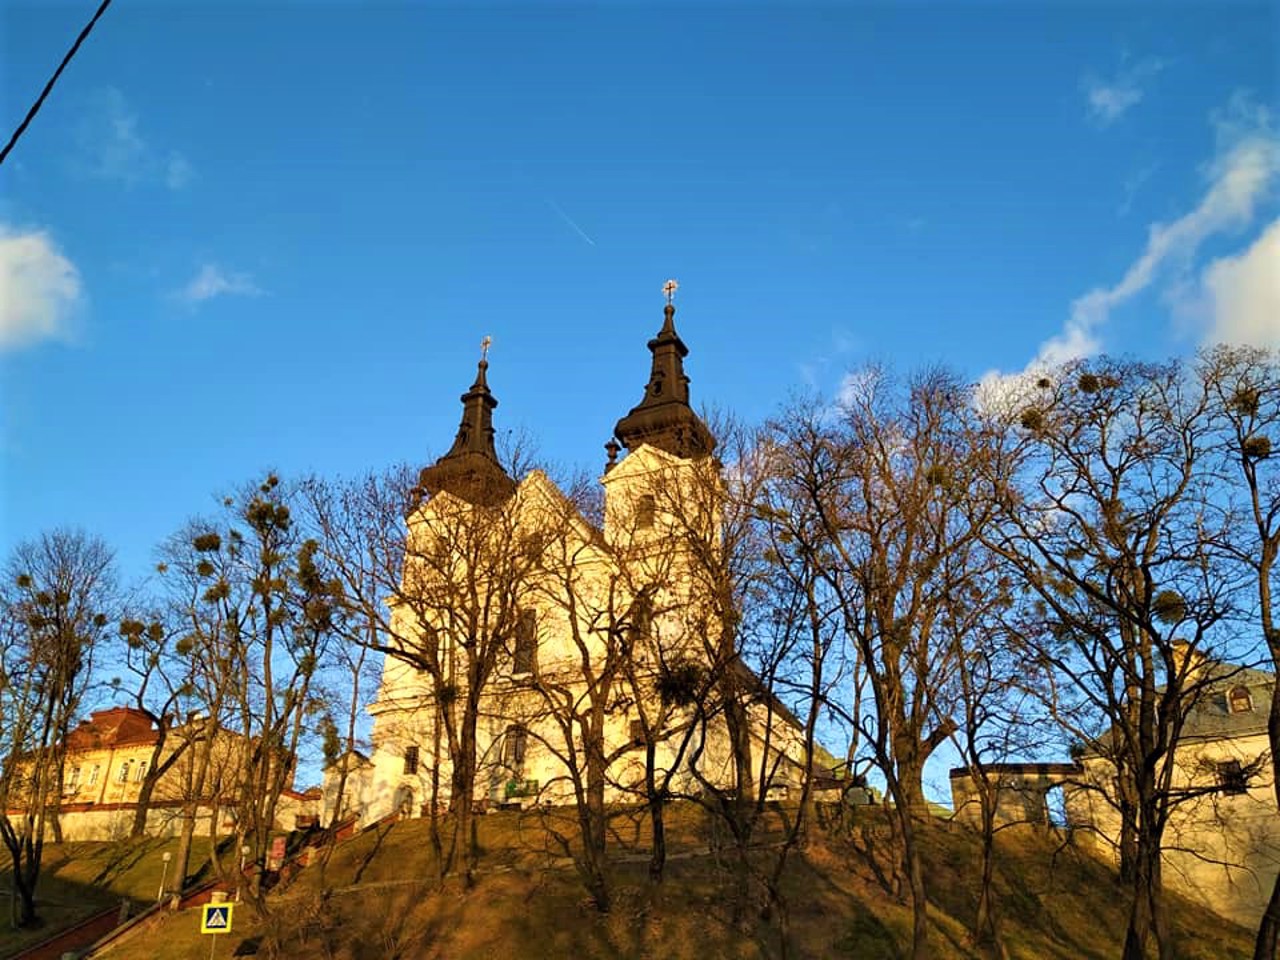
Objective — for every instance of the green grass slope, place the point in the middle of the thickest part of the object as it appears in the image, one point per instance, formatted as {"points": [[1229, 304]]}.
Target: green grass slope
{"points": [[80, 879]]}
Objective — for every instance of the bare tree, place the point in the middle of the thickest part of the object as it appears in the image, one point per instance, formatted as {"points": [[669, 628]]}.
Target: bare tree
{"points": [[571, 693], [998, 717], [706, 651], [161, 688], [1110, 520], [205, 646], [880, 486], [1245, 386], [56, 600], [262, 611]]}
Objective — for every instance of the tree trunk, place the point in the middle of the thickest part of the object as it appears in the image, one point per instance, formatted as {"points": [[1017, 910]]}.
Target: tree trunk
{"points": [[197, 776], [1268, 939], [592, 822], [139, 828], [338, 794], [24, 904], [658, 857], [1141, 918], [177, 877], [985, 936], [1264, 947], [1159, 915], [915, 881], [463, 778], [433, 811], [25, 857], [909, 768]]}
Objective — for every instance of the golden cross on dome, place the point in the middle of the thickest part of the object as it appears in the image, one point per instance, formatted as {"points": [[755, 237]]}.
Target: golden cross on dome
{"points": [[670, 288], [485, 344]]}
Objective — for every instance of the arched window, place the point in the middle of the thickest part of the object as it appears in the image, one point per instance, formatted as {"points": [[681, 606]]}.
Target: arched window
{"points": [[141, 773], [1239, 701], [404, 801], [513, 748], [123, 775]]}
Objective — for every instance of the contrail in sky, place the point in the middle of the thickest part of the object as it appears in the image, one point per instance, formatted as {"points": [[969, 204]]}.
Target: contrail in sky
{"points": [[569, 220]]}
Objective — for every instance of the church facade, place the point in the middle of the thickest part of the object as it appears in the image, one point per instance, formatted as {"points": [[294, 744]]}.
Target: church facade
{"points": [[571, 655]]}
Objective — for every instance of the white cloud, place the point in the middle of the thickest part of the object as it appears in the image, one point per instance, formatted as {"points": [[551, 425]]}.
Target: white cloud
{"points": [[1241, 294], [39, 289], [1239, 179], [111, 147], [212, 281], [1110, 99], [1107, 103]]}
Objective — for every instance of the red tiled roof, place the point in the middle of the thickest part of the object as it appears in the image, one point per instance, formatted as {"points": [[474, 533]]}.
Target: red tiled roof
{"points": [[117, 727]]}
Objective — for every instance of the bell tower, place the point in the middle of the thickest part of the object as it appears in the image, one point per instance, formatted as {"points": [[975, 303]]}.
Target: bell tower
{"points": [[663, 418], [470, 470], [667, 484]]}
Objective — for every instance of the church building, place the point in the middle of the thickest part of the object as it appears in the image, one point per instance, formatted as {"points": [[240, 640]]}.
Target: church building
{"points": [[561, 646]]}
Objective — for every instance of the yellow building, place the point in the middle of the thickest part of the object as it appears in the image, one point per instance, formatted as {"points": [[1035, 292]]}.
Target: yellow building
{"points": [[1222, 842], [106, 763], [580, 610]]}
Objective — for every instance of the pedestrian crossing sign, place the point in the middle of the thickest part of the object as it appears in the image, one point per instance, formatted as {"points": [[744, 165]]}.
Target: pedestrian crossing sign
{"points": [[215, 918]]}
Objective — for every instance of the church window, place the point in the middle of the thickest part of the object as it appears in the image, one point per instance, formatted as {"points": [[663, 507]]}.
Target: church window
{"points": [[75, 778], [1239, 701], [411, 758], [646, 511], [123, 774], [526, 650], [1232, 779], [141, 773], [93, 775], [513, 747]]}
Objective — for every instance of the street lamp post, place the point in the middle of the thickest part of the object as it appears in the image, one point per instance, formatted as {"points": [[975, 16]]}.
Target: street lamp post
{"points": [[164, 874], [244, 853]]}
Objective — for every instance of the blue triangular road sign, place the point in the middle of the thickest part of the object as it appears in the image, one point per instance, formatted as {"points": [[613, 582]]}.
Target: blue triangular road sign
{"points": [[216, 919]]}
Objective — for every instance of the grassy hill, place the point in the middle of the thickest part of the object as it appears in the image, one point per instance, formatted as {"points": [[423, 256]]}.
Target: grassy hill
{"points": [[80, 879], [371, 901]]}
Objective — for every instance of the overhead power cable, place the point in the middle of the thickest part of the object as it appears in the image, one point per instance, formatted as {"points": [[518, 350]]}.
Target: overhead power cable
{"points": [[35, 107]]}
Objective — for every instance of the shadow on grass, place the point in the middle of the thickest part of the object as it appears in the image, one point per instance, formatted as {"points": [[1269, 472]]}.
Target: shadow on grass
{"points": [[380, 836]]}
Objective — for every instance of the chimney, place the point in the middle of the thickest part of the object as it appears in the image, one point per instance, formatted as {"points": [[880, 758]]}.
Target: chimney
{"points": [[1187, 662]]}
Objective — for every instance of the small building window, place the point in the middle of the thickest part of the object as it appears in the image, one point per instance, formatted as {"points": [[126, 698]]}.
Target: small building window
{"points": [[141, 773], [646, 511], [1232, 779], [1239, 701], [526, 651], [93, 775], [411, 758], [123, 775], [513, 748], [74, 781]]}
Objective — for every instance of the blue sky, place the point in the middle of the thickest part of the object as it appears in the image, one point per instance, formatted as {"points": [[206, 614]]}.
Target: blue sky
{"points": [[255, 235]]}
